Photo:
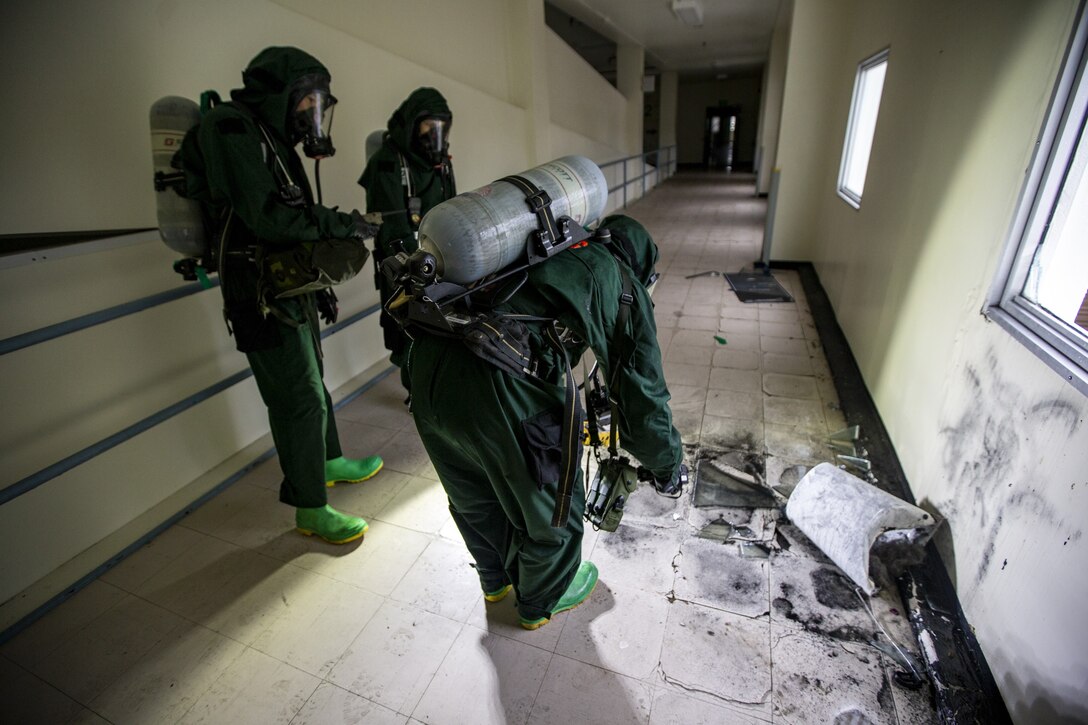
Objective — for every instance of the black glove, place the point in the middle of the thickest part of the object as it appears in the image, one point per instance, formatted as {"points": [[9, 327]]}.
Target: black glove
{"points": [[327, 308], [366, 227], [671, 487]]}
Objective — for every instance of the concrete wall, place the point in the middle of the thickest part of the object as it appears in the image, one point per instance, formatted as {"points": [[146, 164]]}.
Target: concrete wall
{"points": [[774, 82], [989, 436], [78, 158]]}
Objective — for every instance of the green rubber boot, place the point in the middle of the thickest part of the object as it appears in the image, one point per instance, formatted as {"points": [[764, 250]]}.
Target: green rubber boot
{"points": [[331, 525], [579, 590], [351, 470], [499, 594]]}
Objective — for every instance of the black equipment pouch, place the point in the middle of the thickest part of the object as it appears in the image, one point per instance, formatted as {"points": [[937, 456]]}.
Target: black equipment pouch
{"points": [[615, 481]]}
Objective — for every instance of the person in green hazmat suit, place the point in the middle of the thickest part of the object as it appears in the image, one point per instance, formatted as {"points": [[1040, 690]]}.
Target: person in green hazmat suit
{"points": [[406, 177], [494, 438], [241, 164]]}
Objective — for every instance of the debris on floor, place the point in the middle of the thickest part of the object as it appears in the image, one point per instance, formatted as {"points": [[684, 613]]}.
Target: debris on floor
{"points": [[732, 479], [848, 519], [789, 478], [757, 287]]}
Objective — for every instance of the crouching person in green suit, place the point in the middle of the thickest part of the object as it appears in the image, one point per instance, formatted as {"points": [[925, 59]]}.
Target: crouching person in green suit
{"points": [[494, 438]]}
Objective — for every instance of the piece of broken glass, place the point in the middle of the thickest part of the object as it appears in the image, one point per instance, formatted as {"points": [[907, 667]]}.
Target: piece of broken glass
{"points": [[721, 485]]}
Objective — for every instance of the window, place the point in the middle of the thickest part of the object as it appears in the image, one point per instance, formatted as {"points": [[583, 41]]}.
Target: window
{"points": [[861, 126], [1040, 293]]}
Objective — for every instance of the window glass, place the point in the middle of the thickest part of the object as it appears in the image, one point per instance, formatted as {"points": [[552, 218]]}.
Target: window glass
{"points": [[861, 126], [1040, 292]]}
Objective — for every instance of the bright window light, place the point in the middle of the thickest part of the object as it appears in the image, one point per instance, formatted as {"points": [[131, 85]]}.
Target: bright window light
{"points": [[1040, 293], [868, 87]]}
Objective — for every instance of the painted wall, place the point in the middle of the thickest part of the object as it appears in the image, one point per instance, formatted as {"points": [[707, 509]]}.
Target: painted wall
{"points": [[774, 82], [81, 161], [990, 438]]}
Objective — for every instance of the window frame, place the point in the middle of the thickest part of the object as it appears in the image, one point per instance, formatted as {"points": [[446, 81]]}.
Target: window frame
{"points": [[1062, 346], [848, 195]]}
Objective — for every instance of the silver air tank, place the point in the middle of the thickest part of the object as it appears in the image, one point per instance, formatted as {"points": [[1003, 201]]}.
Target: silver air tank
{"points": [[479, 232], [374, 142], [181, 225]]}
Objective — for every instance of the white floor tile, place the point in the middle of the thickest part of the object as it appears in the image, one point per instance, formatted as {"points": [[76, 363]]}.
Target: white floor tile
{"points": [[574, 692], [40, 639], [714, 655], [26, 698], [166, 682], [485, 679], [107, 648], [320, 619], [377, 564], [638, 555], [256, 689], [421, 505], [442, 581], [672, 708], [394, 658], [369, 497], [711, 573], [618, 629], [807, 690], [332, 705]]}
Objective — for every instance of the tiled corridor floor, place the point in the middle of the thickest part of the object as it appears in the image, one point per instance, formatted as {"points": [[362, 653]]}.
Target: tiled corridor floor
{"points": [[232, 617]]}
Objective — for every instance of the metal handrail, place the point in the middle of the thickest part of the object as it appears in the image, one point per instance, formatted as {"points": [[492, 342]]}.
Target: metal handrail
{"points": [[669, 168], [29, 483]]}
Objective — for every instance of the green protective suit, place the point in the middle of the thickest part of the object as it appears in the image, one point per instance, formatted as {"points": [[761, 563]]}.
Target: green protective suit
{"points": [[386, 192], [232, 167], [494, 438]]}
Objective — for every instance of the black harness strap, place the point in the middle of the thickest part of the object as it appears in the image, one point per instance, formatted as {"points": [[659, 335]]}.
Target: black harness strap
{"points": [[626, 300], [541, 205], [570, 434]]}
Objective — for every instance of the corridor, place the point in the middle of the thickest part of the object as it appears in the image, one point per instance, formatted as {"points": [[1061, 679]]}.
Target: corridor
{"points": [[232, 617]]}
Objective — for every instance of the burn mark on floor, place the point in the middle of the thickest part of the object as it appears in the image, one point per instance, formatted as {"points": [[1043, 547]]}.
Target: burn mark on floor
{"points": [[834, 590]]}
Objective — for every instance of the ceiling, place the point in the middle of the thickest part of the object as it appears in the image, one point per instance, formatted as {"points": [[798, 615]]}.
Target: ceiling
{"points": [[734, 39]]}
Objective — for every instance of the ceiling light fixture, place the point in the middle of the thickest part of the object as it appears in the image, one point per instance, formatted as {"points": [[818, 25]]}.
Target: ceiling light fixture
{"points": [[690, 12]]}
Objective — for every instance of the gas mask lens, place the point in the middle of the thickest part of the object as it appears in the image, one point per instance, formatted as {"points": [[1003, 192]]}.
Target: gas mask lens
{"points": [[434, 137], [312, 123]]}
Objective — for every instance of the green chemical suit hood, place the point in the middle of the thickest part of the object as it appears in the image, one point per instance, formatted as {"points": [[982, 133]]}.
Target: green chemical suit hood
{"points": [[423, 103], [275, 80]]}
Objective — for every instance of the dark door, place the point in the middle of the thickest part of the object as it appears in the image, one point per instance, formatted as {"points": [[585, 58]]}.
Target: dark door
{"points": [[720, 136]]}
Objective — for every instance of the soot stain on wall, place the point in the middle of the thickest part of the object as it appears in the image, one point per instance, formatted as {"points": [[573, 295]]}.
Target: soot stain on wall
{"points": [[988, 456]]}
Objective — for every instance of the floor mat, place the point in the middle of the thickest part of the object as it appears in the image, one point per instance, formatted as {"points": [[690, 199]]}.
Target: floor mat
{"points": [[757, 287]]}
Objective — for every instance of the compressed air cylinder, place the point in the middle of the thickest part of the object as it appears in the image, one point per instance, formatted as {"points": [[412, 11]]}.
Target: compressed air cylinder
{"points": [[374, 142], [181, 225], [479, 232]]}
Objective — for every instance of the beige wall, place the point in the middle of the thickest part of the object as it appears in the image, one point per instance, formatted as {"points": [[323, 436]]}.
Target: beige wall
{"points": [[80, 160], [774, 81], [989, 436]]}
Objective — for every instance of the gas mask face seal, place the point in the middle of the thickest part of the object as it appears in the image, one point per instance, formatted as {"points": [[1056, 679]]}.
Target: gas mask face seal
{"points": [[310, 120]]}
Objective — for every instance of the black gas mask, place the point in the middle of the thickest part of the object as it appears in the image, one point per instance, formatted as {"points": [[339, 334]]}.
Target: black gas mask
{"points": [[433, 137], [309, 118]]}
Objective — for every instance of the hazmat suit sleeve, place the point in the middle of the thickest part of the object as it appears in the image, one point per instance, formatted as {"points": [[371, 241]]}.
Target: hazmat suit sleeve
{"points": [[239, 175], [632, 367], [385, 193]]}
